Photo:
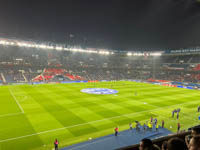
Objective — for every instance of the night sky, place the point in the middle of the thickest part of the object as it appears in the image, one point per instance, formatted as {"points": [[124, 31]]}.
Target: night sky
{"points": [[111, 24]]}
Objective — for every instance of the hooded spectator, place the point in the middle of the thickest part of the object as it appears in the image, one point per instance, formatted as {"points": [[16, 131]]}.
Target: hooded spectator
{"points": [[176, 144]]}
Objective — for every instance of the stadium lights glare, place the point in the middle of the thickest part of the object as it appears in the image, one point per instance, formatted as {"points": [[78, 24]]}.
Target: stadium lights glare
{"points": [[19, 59], [59, 48], [139, 54], [8, 42], [42, 46], [129, 54], [28, 44], [104, 52], [135, 54], [156, 54], [144, 54]]}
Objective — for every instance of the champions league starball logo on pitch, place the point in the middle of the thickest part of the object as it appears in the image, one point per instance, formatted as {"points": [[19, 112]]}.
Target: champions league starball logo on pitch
{"points": [[99, 91]]}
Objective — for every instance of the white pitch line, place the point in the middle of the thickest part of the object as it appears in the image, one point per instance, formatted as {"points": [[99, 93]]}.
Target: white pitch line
{"points": [[16, 101], [58, 129], [12, 114]]}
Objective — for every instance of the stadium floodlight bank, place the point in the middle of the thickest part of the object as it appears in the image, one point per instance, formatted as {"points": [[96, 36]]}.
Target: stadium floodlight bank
{"points": [[62, 47]]}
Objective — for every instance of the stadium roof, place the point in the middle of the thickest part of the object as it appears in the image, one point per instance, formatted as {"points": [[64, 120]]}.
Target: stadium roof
{"points": [[113, 24]]}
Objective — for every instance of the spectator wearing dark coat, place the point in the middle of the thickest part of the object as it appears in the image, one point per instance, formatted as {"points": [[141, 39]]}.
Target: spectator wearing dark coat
{"points": [[176, 144]]}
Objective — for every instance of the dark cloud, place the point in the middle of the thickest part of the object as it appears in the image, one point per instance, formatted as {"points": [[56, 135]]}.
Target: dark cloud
{"points": [[117, 24]]}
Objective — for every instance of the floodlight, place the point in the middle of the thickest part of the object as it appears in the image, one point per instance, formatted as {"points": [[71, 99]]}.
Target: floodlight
{"points": [[129, 54], [58, 48], [156, 54]]}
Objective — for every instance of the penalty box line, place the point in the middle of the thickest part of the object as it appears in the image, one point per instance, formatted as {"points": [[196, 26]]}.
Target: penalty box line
{"points": [[22, 110], [77, 125]]}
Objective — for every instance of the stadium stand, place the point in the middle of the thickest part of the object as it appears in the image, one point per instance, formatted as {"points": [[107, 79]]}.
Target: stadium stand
{"points": [[197, 68], [56, 74], [1, 81], [44, 66]]}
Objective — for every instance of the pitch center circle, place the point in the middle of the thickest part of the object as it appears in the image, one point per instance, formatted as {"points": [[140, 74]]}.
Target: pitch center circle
{"points": [[99, 91]]}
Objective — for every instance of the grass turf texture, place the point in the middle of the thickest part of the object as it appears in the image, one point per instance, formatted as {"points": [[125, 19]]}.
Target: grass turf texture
{"points": [[62, 111]]}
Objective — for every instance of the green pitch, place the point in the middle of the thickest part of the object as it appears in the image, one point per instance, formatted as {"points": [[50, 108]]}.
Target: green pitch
{"points": [[32, 116]]}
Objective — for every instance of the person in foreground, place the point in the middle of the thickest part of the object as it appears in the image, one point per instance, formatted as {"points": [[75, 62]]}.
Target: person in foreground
{"points": [[164, 145], [194, 132], [147, 144], [176, 144], [194, 143]]}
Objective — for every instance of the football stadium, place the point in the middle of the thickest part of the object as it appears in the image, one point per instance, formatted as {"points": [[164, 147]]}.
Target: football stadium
{"points": [[100, 75], [80, 95]]}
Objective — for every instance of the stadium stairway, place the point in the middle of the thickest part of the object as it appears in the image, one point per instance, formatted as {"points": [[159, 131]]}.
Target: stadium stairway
{"points": [[124, 139], [3, 78], [25, 79]]}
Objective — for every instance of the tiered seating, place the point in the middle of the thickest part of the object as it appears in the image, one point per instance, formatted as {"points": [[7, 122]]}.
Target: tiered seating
{"points": [[42, 78], [38, 78], [197, 68], [30, 76], [198, 77], [49, 74], [54, 71], [18, 77], [178, 66], [48, 77], [9, 78], [71, 77], [78, 77]]}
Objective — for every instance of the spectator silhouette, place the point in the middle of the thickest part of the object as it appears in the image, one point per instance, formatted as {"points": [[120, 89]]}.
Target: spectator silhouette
{"points": [[194, 132], [176, 144], [194, 143], [164, 145], [147, 144]]}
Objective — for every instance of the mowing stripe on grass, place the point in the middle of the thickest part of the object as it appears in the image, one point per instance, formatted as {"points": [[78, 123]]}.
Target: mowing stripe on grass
{"points": [[16, 101], [13, 114], [58, 129]]}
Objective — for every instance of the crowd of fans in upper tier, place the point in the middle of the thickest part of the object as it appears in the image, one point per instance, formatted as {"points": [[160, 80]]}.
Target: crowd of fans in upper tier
{"points": [[30, 65]]}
